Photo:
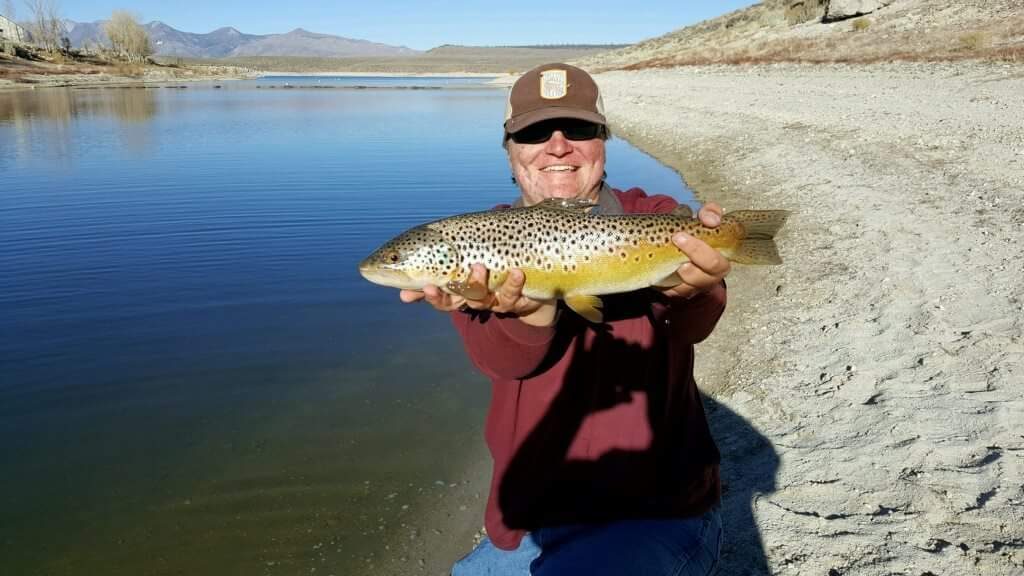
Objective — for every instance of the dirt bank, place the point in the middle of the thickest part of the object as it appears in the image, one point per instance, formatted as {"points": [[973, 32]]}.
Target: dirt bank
{"points": [[876, 375]]}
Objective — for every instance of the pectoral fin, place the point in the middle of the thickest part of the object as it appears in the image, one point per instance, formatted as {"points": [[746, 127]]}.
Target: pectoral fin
{"points": [[587, 306], [468, 289]]}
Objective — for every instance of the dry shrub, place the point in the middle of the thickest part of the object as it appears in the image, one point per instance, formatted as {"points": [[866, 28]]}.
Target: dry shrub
{"points": [[129, 70], [975, 41], [1007, 53]]}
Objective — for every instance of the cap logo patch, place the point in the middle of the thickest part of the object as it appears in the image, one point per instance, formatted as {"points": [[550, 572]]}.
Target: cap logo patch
{"points": [[554, 84]]}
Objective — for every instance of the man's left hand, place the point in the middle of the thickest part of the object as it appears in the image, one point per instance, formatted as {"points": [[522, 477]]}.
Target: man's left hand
{"points": [[707, 267]]}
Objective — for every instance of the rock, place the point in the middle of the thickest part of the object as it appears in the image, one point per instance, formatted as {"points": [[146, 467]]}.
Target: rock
{"points": [[841, 9], [800, 11]]}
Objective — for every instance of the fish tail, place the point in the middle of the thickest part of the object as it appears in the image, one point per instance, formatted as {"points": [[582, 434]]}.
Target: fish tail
{"points": [[758, 245]]}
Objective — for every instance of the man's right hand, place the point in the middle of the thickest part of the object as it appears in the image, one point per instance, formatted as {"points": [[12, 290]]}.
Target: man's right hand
{"points": [[507, 299]]}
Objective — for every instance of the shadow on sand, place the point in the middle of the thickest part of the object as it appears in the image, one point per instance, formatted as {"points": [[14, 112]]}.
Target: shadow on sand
{"points": [[749, 467]]}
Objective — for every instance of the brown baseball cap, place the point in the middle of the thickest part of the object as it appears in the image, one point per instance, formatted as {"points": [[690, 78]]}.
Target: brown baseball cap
{"points": [[553, 91]]}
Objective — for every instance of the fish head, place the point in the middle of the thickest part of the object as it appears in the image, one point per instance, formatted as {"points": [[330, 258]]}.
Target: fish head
{"points": [[412, 260]]}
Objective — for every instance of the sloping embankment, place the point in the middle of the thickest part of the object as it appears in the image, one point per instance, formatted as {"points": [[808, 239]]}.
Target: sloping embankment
{"points": [[877, 374]]}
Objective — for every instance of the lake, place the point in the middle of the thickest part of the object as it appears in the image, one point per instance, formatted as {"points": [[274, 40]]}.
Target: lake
{"points": [[195, 379]]}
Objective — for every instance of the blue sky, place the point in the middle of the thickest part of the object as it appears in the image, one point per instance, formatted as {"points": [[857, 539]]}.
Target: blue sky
{"points": [[422, 24]]}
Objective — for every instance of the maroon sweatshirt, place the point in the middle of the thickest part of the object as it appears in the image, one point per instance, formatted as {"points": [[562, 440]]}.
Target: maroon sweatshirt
{"points": [[595, 423]]}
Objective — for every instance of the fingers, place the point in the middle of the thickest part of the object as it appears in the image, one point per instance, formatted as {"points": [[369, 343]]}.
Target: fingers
{"points": [[512, 289], [434, 296], [410, 296], [710, 214], [702, 256], [441, 300], [478, 276], [507, 299], [706, 268], [696, 278]]}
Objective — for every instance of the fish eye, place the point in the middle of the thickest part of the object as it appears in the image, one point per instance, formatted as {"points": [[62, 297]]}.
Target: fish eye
{"points": [[393, 257]]}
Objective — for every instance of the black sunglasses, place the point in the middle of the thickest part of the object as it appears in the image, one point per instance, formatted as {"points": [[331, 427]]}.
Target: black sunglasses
{"points": [[571, 128]]}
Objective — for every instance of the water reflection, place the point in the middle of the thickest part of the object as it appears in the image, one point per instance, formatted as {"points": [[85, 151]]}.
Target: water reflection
{"points": [[61, 105], [47, 115]]}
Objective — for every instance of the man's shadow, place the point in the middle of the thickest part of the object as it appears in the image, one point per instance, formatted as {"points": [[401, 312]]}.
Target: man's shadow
{"points": [[749, 468], [545, 486]]}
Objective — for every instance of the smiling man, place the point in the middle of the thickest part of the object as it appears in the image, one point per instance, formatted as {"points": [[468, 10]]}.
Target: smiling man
{"points": [[603, 460]]}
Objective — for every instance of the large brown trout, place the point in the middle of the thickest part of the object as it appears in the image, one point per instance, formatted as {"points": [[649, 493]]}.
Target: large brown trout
{"points": [[564, 251]]}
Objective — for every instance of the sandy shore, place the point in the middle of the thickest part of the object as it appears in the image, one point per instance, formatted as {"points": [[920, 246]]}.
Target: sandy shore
{"points": [[22, 76], [870, 391]]}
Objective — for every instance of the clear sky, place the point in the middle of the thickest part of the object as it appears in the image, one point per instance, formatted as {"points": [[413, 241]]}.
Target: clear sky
{"points": [[421, 24]]}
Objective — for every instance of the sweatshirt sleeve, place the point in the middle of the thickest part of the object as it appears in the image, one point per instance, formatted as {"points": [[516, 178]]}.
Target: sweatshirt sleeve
{"points": [[503, 348], [696, 318]]}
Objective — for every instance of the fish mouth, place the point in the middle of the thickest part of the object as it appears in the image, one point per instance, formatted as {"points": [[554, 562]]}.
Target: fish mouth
{"points": [[387, 276]]}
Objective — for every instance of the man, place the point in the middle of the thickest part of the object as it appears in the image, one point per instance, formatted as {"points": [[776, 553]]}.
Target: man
{"points": [[603, 461]]}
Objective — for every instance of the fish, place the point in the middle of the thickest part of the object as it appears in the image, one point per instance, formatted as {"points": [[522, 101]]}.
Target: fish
{"points": [[565, 250]]}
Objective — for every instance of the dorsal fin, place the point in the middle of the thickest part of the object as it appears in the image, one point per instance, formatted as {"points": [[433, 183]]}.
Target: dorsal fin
{"points": [[683, 211], [571, 204]]}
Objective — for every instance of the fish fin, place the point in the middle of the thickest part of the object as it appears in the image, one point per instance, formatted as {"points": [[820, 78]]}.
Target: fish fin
{"points": [[468, 289], [570, 204], [587, 306], [759, 223], [670, 281], [761, 226], [756, 251], [683, 211]]}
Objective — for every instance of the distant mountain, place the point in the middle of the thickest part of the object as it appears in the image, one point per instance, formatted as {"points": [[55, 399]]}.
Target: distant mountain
{"points": [[228, 42], [301, 42], [168, 41]]}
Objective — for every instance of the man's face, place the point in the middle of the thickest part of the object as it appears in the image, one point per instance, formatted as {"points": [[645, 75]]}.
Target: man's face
{"points": [[558, 167]]}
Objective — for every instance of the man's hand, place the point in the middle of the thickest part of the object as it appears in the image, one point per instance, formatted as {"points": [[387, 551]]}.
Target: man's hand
{"points": [[507, 299], [707, 267]]}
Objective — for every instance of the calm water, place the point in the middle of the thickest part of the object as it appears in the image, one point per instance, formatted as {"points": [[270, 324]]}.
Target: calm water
{"points": [[193, 377]]}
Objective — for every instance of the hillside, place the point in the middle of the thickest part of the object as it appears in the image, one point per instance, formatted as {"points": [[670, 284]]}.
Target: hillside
{"points": [[813, 31], [448, 58]]}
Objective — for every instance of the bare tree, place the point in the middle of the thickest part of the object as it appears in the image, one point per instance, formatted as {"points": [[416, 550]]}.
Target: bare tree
{"points": [[47, 27], [128, 39], [141, 47]]}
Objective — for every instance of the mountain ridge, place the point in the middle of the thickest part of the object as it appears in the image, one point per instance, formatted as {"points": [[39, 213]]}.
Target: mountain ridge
{"points": [[228, 42]]}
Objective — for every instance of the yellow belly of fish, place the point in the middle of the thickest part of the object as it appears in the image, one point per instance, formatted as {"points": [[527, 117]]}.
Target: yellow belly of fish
{"points": [[624, 270]]}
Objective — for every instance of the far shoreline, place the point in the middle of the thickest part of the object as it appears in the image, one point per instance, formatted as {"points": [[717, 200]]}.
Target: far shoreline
{"points": [[113, 81]]}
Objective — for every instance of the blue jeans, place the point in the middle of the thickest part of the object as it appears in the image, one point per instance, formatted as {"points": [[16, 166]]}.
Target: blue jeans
{"points": [[674, 547]]}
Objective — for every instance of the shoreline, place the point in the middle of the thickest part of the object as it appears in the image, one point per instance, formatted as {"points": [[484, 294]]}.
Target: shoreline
{"points": [[878, 361], [162, 77], [104, 80], [351, 74]]}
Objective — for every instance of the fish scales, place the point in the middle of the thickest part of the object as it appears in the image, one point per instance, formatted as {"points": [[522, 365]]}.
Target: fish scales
{"points": [[564, 251]]}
